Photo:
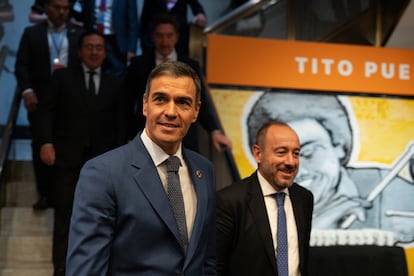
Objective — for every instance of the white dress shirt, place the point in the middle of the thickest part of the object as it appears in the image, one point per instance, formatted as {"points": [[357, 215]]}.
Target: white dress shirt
{"points": [[158, 156], [96, 77], [271, 208]]}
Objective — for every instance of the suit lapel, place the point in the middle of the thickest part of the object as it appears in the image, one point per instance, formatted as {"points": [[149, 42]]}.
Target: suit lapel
{"points": [[149, 182], [257, 209], [298, 211], [44, 40], [200, 187]]}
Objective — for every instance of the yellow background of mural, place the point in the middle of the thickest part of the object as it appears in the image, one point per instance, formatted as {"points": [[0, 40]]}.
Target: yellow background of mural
{"points": [[370, 113]]}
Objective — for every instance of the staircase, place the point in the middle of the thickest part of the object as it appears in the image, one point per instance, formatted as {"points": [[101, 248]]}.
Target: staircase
{"points": [[25, 235]]}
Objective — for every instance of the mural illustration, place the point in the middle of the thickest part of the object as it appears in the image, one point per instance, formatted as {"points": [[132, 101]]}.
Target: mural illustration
{"points": [[355, 158]]}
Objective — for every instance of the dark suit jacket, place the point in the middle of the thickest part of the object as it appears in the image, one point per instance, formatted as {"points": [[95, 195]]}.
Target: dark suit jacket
{"points": [[244, 239], [152, 8], [124, 22], [33, 65], [136, 79], [76, 124], [122, 223]]}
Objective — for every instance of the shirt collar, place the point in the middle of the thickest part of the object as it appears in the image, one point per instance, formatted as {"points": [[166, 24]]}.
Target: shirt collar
{"points": [[159, 58], [53, 28], [157, 154], [268, 189], [86, 69]]}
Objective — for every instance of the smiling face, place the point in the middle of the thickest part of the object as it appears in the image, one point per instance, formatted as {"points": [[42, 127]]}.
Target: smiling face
{"points": [[277, 156], [170, 108], [92, 51]]}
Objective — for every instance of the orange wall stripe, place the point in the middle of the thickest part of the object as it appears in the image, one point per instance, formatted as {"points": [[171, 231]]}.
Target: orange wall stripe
{"points": [[285, 64]]}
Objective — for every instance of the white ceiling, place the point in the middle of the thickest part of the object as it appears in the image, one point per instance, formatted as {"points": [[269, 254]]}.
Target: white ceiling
{"points": [[403, 35]]}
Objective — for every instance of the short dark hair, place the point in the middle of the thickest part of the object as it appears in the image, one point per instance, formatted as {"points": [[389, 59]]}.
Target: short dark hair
{"points": [[261, 133], [86, 34], [175, 69], [164, 18]]}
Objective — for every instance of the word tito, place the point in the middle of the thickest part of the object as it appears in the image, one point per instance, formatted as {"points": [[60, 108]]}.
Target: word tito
{"points": [[345, 68]]}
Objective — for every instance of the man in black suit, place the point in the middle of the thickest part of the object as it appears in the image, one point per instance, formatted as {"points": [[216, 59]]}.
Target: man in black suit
{"points": [[43, 48], [165, 36], [247, 213], [82, 116]]}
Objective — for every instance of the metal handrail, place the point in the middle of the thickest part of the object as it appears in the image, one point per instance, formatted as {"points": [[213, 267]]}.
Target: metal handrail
{"points": [[197, 44], [8, 133], [11, 121], [235, 15]]}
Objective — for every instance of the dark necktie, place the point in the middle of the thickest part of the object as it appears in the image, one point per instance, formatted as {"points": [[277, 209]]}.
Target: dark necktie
{"points": [[175, 197], [91, 84], [282, 243]]}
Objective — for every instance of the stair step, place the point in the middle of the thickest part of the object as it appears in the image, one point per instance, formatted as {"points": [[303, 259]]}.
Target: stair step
{"points": [[21, 194], [20, 186], [25, 251], [27, 271], [24, 221]]}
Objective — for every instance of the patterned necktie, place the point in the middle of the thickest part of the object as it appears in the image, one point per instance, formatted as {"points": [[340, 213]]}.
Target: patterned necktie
{"points": [[91, 83], [282, 243], [175, 197]]}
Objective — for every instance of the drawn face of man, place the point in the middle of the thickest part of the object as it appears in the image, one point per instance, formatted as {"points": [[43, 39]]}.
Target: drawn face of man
{"points": [[92, 52], [57, 12], [319, 158], [170, 108], [165, 37], [277, 156]]}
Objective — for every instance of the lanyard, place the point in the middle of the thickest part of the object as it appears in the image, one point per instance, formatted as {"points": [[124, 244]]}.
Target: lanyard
{"points": [[57, 43]]}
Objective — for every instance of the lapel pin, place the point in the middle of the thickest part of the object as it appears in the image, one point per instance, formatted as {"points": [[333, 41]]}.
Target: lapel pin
{"points": [[199, 174]]}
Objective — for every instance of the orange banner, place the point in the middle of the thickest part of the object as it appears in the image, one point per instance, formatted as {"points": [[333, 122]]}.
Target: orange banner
{"points": [[256, 62]]}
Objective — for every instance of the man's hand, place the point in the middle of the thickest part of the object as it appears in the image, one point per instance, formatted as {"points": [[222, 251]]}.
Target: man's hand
{"points": [[30, 101], [220, 141], [200, 20], [48, 154]]}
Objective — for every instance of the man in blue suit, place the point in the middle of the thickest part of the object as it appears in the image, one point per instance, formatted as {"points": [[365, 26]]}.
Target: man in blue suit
{"points": [[122, 222]]}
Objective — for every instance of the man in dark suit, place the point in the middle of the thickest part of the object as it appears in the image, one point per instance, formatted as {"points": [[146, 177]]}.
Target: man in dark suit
{"points": [[176, 8], [82, 116], [247, 212], [43, 48], [165, 36], [123, 222], [117, 20]]}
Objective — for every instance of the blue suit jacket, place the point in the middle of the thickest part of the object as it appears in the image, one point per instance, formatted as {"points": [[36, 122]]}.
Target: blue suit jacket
{"points": [[122, 223]]}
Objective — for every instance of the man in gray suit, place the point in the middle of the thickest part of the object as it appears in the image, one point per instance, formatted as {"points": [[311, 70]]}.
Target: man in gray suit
{"points": [[122, 221]]}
